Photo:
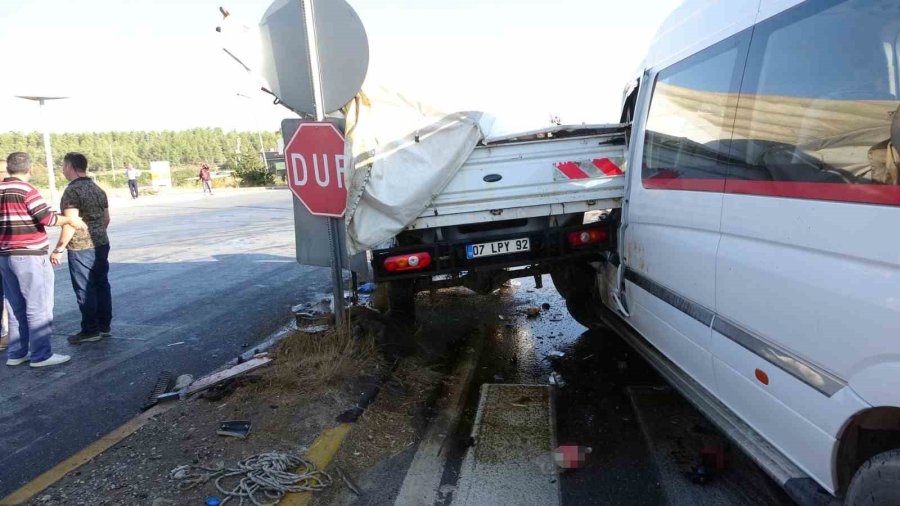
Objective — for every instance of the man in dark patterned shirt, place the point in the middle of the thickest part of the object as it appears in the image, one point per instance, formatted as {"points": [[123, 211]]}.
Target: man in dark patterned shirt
{"points": [[88, 250]]}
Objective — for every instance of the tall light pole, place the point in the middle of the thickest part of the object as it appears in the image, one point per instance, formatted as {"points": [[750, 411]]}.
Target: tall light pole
{"points": [[262, 149], [51, 178]]}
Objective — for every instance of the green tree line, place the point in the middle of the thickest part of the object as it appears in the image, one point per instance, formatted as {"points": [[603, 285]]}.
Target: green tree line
{"points": [[114, 150]]}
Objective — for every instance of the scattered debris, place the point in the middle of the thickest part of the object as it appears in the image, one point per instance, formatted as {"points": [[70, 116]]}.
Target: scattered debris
{"points": [[260, 478], [179, 343], [212, 379], [501, 317], [588, 357], [556, 379], [161, 387], [183, 381], [533, 312], [367, 288], [499, 378], [234, 428], [700, 475], [571, 456], [556, 354], [545, 306], [224, 389], [315, 320]]}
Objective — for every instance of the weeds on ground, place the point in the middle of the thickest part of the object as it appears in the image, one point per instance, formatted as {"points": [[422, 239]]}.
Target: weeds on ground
{"points": [[307, 363]]}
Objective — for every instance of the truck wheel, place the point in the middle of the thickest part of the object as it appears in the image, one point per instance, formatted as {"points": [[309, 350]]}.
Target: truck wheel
{"points": [[402, 300], [577, 285], [572, 280], [585, 311], [877, 481]]}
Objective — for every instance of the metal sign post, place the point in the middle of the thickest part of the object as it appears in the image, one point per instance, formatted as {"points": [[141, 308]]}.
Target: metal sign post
{"points": [[334, 224]]}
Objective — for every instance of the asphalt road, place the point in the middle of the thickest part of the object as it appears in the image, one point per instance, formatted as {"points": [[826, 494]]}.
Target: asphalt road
{"points": [[193, 283]]}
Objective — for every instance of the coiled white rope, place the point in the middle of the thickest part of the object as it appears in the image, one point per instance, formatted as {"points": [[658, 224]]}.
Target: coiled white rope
{"points": [[262, 480]]}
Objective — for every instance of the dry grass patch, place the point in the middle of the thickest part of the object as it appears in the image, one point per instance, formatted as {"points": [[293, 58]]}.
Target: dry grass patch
{"points": [[307, 363]]}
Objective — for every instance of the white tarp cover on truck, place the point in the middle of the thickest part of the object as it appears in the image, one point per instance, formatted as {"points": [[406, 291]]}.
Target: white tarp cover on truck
{"points": [[404, 153]]}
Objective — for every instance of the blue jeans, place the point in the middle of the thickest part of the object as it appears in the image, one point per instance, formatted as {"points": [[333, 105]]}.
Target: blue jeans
{"points": [[89, 269], [28, 287]]}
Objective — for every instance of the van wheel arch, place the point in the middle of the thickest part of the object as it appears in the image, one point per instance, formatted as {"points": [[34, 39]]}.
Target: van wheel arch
{"points": [[867, 434]]}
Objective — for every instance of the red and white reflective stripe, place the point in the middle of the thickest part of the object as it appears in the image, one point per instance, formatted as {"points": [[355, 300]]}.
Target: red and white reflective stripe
{"points": [[599, 167], [572, 170], [607, 167]]}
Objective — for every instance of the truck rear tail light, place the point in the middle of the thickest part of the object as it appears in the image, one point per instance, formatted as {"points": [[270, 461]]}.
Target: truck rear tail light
{"points": [[407, 262], [588, 237]]}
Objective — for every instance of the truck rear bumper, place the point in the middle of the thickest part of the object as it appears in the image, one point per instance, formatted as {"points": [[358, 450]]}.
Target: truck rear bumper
{"points": [[449, 259]]}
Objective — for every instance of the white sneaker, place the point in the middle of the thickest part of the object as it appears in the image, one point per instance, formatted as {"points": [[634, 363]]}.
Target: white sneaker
{"points": [[19, 361], [54, 359]]}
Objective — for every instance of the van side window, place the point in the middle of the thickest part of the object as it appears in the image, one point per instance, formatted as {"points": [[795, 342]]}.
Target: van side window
{"points": [[817, 116], [691, 116]]}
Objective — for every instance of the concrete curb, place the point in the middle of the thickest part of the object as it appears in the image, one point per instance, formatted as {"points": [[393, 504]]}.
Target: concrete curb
{"points": [[423, 478]]}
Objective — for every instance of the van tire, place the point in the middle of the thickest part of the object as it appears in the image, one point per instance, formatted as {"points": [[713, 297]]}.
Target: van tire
{"points": [[402, 300], [877, 481]]}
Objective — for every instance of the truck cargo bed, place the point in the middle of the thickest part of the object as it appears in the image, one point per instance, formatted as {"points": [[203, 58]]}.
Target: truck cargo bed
{"points": [[556, 171]]}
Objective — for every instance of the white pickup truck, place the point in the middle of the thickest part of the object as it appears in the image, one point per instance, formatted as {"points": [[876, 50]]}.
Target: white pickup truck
{"points": [[516, 208]]}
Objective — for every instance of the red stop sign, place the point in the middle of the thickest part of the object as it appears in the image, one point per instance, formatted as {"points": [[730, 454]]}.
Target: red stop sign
{"points": [[316, 168]]}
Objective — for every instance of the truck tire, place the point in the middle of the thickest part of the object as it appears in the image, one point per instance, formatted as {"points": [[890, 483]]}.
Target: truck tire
{"points": [[577, 283], [585, 312], [572, 279], [876, 482], [402, 300]]}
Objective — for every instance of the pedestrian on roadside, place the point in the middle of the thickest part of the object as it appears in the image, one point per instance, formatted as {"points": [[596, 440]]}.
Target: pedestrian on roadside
{"points": [[205, 179], [132, 174], [24, 266], [88, 250], [4, 333]]}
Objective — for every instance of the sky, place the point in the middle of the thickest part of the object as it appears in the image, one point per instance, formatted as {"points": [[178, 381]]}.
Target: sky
{"points": [[159, 64]]}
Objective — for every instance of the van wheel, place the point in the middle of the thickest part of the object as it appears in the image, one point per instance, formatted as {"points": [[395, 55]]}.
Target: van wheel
{"points": [[402, 300], [877, 481]]}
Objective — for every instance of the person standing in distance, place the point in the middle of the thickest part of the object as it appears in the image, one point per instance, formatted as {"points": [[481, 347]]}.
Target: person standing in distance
{"points": [[132, 174], [205, 179], [26, 270], [88, 250]]}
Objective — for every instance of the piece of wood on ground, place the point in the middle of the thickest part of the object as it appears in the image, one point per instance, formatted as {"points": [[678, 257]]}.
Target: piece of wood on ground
{"points": [[208, 381]]}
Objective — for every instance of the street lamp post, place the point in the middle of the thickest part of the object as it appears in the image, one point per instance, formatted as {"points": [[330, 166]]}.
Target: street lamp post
{"points": [[262, 148], [51, 178]]}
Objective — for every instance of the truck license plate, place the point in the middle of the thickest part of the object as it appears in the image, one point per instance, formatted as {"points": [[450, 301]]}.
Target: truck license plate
{"points": [[487, 249]]}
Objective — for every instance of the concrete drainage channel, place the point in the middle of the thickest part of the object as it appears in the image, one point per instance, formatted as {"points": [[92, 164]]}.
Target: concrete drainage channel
{"points": [[493, 439], [508, 459]]}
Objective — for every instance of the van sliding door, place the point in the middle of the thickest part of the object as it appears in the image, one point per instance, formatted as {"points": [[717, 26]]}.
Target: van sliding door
{"points": [[675, 203]]}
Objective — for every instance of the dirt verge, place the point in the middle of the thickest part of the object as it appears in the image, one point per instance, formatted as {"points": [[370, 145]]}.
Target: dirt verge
{"points": [[314, 378]]}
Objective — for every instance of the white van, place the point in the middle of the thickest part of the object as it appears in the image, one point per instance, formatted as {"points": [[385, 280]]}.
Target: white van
{"points": [[758, 265]]}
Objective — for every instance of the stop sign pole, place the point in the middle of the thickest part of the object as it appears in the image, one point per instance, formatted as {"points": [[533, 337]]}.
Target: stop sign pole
{"points": [[334, 224]]}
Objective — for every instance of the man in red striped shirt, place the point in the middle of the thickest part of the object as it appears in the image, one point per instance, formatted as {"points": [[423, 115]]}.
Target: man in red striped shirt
{"points": [[25, 266]]}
